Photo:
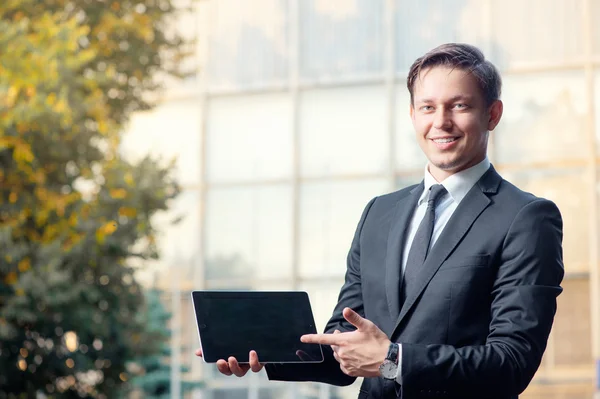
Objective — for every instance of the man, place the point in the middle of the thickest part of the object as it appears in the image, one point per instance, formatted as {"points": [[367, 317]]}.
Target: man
{"points": [[451, 284]]}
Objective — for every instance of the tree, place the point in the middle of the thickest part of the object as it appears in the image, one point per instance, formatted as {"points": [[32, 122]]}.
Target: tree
{"points": [[73, 212], [154, 381]]}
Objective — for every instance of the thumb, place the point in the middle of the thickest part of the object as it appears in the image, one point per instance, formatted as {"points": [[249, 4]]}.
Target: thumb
{"points": [[355, 319]]}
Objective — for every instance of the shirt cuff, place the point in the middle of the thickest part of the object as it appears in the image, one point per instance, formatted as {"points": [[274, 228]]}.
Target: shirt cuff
{"points": [[399, 370]]}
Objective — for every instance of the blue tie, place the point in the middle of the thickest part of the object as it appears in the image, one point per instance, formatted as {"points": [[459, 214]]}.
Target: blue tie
{"points": [[421, 242]]}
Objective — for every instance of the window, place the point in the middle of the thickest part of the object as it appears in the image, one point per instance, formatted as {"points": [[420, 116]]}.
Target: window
{"points": [[172, 131], [249, 138], [249, 233], [540, 31], [249, 44], [340, 38], [544, 119], [342, 131], [423, 25], [329, 215]]}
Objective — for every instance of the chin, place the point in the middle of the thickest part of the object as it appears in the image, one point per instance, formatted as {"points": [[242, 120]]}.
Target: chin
{"points": [[448, 165]]}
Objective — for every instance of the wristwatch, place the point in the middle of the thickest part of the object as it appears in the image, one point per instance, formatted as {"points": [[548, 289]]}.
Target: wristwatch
{"points": [[389, 367]]}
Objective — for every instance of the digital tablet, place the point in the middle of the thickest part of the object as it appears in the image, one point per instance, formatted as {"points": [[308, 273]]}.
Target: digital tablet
{"points": [[232, 323]]}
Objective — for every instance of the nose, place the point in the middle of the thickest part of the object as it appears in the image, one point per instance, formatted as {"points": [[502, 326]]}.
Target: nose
{"points": [[442, 119]]}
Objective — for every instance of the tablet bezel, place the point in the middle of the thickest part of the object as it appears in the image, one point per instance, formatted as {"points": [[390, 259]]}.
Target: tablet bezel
{"points": [[244, 295]]}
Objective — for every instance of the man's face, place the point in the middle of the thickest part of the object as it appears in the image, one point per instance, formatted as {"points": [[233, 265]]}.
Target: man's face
{"points": [[451, 119]]}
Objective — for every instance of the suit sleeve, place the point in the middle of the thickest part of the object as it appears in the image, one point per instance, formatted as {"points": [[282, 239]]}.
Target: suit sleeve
{"points": [[522, 312], [350, 296]]}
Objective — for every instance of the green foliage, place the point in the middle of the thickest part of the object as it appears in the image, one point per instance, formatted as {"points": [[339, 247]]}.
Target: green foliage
{"points": [[154, 381], [73, 212]]}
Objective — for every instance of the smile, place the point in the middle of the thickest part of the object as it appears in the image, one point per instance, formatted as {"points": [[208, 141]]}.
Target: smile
{"points": [[445, 140]]}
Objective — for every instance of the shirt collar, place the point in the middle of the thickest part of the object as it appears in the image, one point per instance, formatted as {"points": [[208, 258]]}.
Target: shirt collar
{"points": [[458, 184]]}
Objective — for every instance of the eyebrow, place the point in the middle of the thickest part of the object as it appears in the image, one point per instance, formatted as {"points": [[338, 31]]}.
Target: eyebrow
{"points": [[459, 97]]}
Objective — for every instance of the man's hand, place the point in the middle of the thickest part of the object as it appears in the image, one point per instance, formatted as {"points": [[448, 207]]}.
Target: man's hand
{"points": [[360, 352], [231, 366]]}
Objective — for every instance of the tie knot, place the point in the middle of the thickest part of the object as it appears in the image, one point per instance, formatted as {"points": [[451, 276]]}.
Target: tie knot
{"points": [[436, 192]]}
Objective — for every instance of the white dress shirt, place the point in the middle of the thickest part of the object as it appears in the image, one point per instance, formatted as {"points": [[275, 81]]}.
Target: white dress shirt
{"points": [[457, 185]]}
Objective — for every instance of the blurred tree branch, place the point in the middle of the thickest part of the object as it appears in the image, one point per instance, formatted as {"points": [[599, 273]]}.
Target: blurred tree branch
{"points": [[72, 209]]}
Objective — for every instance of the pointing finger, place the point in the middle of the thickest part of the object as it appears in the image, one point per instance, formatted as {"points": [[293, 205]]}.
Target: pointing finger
{"points": [[323, 339], [335, 347]]}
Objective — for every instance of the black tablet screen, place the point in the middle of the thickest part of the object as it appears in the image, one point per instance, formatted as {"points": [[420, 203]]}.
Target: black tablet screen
{"points": [[271, 323]]}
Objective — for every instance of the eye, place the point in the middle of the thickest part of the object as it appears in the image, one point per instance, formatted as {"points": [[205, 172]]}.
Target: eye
{"points": [[461, 106], [426, 108]]}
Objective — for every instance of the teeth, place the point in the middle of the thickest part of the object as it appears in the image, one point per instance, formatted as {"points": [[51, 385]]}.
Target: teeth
{"points": [[447, 140]]}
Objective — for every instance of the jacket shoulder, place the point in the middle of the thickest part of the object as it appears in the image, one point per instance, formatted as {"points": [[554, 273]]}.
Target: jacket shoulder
{"points": [[512, 200], [394, 196], [510, 193]]}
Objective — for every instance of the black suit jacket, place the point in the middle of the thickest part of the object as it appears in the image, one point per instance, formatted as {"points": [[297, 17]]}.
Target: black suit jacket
{"points": [[476, 323]]}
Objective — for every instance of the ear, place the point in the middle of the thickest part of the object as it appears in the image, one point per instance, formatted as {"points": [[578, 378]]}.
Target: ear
{"points": [[412, 112], [495, 113]]}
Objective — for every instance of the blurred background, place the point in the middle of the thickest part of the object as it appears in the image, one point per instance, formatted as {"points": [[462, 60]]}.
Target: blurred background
{"points": [[154, 147]]}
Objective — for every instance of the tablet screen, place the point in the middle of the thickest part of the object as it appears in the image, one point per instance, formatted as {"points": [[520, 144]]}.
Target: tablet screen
{"points": [[271, 323]]}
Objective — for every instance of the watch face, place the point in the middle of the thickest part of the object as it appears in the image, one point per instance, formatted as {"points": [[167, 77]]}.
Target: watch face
{"points": [[388, 369]]}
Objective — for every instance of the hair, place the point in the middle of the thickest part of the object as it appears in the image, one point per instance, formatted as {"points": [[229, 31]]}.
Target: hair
{"points": [[461, 56]]}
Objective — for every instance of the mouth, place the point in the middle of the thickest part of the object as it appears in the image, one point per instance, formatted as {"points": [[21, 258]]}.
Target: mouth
{"points": [[444, 140], [445, 143]]}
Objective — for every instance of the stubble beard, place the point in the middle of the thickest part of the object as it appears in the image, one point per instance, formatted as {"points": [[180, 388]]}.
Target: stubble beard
{"points": [[449, 165]]}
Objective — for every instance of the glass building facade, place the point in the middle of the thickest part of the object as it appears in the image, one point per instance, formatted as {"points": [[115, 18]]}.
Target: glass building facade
{"points": [[298, 116]]}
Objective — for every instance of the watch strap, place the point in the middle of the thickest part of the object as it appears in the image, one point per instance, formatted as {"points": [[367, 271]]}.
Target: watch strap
{"points": [[392, 354]]}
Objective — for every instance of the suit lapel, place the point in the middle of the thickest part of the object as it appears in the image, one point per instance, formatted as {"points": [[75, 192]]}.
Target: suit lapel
{"points": [[403, 212], [467, 212]]}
